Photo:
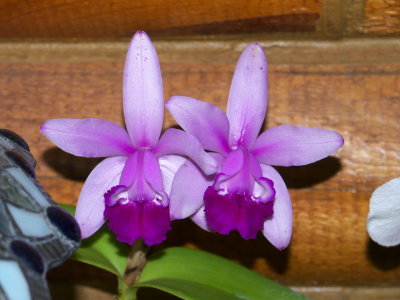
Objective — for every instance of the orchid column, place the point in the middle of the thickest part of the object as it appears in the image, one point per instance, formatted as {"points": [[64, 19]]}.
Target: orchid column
{"points": [[131, 187]]}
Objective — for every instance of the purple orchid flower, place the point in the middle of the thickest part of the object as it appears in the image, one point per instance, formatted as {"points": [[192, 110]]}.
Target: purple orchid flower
{"points": [[130, 187], [247, 194]]}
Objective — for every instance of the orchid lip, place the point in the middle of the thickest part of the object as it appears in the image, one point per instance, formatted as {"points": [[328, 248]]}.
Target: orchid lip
{"points": [[114, 196], [231, 211], [264, 191]]}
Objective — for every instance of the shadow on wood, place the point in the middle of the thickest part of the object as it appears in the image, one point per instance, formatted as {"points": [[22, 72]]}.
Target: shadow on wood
{"points": [[68, 165], [309, 175], [384, 258], [231, 246]]}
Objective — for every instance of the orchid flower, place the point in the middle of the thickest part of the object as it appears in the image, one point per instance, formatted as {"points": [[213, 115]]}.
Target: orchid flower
{"points": [[247, 194], [383, 223], [130, 187]]}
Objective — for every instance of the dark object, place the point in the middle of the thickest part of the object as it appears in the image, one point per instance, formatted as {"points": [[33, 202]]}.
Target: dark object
{"points": [[35, 233]]}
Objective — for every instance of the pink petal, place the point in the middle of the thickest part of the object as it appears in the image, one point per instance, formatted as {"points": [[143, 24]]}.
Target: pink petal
{"points": [[133, 220], [205, 121], [229, 211], [143, 92], [152, 171], [248, 96], [295, 146], [188, 190], [142, 176], [90, 207], [278, 229], [169, 165], [88, 137], [178, 142], [200, 219], [383, 223]]}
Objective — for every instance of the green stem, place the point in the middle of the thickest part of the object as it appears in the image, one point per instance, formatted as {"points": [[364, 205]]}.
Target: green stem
{"points": [[125, 292]]}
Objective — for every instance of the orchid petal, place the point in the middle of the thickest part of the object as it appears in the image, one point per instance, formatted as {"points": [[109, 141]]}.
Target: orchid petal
{"points": [[143, 92], [383, 222], [188, 190], [88, 137], [236, 175], [90, 207], [278, 228], [295, 146], [248, 97], [178, 142], [152, 171], [169, 165], [229, 211], [142, 175], [205, 121], [133, 220], [200, 219]]}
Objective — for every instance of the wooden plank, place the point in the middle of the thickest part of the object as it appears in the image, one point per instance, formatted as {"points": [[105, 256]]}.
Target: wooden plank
{"points": [[330, 198], [315, 96], [215, 50], [382, 17], [116, 18], [329, 246]]}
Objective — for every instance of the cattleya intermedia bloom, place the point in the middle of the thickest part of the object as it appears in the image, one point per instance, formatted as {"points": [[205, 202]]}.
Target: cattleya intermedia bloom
{"points": [[383, 223], [131, 188], [247, 194], [146, 181]]}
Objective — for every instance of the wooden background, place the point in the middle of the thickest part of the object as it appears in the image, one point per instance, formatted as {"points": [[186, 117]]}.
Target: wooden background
{"points": [[60, 19], [333, 65]]}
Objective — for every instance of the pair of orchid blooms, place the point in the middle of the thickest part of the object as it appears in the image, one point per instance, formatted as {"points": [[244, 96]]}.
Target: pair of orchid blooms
{"points": [[217, 170]]}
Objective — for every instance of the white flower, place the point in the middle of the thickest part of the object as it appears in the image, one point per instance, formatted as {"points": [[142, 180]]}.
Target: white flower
{"points": [[383, 223]]}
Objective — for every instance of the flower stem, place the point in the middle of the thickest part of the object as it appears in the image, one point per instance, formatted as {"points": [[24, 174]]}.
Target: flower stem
{"points": [[134, 266]]}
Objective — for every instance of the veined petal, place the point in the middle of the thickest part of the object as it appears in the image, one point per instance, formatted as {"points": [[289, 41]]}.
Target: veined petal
{"points": [[169, 165], [383, 222], [188, 190], [278, 228], [295, 146], [88, 137], [90, 207], [178, 142], [248, 97], [143, 92], [205, 121]]}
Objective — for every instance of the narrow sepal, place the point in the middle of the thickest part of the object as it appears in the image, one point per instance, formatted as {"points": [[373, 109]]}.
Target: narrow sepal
{"points": [[88, 137], [143, 96], [295, 146], [248, 96]]}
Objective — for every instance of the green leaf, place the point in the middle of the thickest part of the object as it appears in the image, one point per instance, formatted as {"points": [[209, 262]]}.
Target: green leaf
{"points": [[102, 250], [198, 275]]}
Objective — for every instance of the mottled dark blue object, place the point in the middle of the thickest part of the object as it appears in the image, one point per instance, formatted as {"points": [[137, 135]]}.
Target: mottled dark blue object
{"points": [[35, 233]]}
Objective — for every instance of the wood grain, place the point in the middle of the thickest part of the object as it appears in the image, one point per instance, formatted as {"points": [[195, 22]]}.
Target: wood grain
{"points": [[330, 198], [116, 18], [382, 17]]}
